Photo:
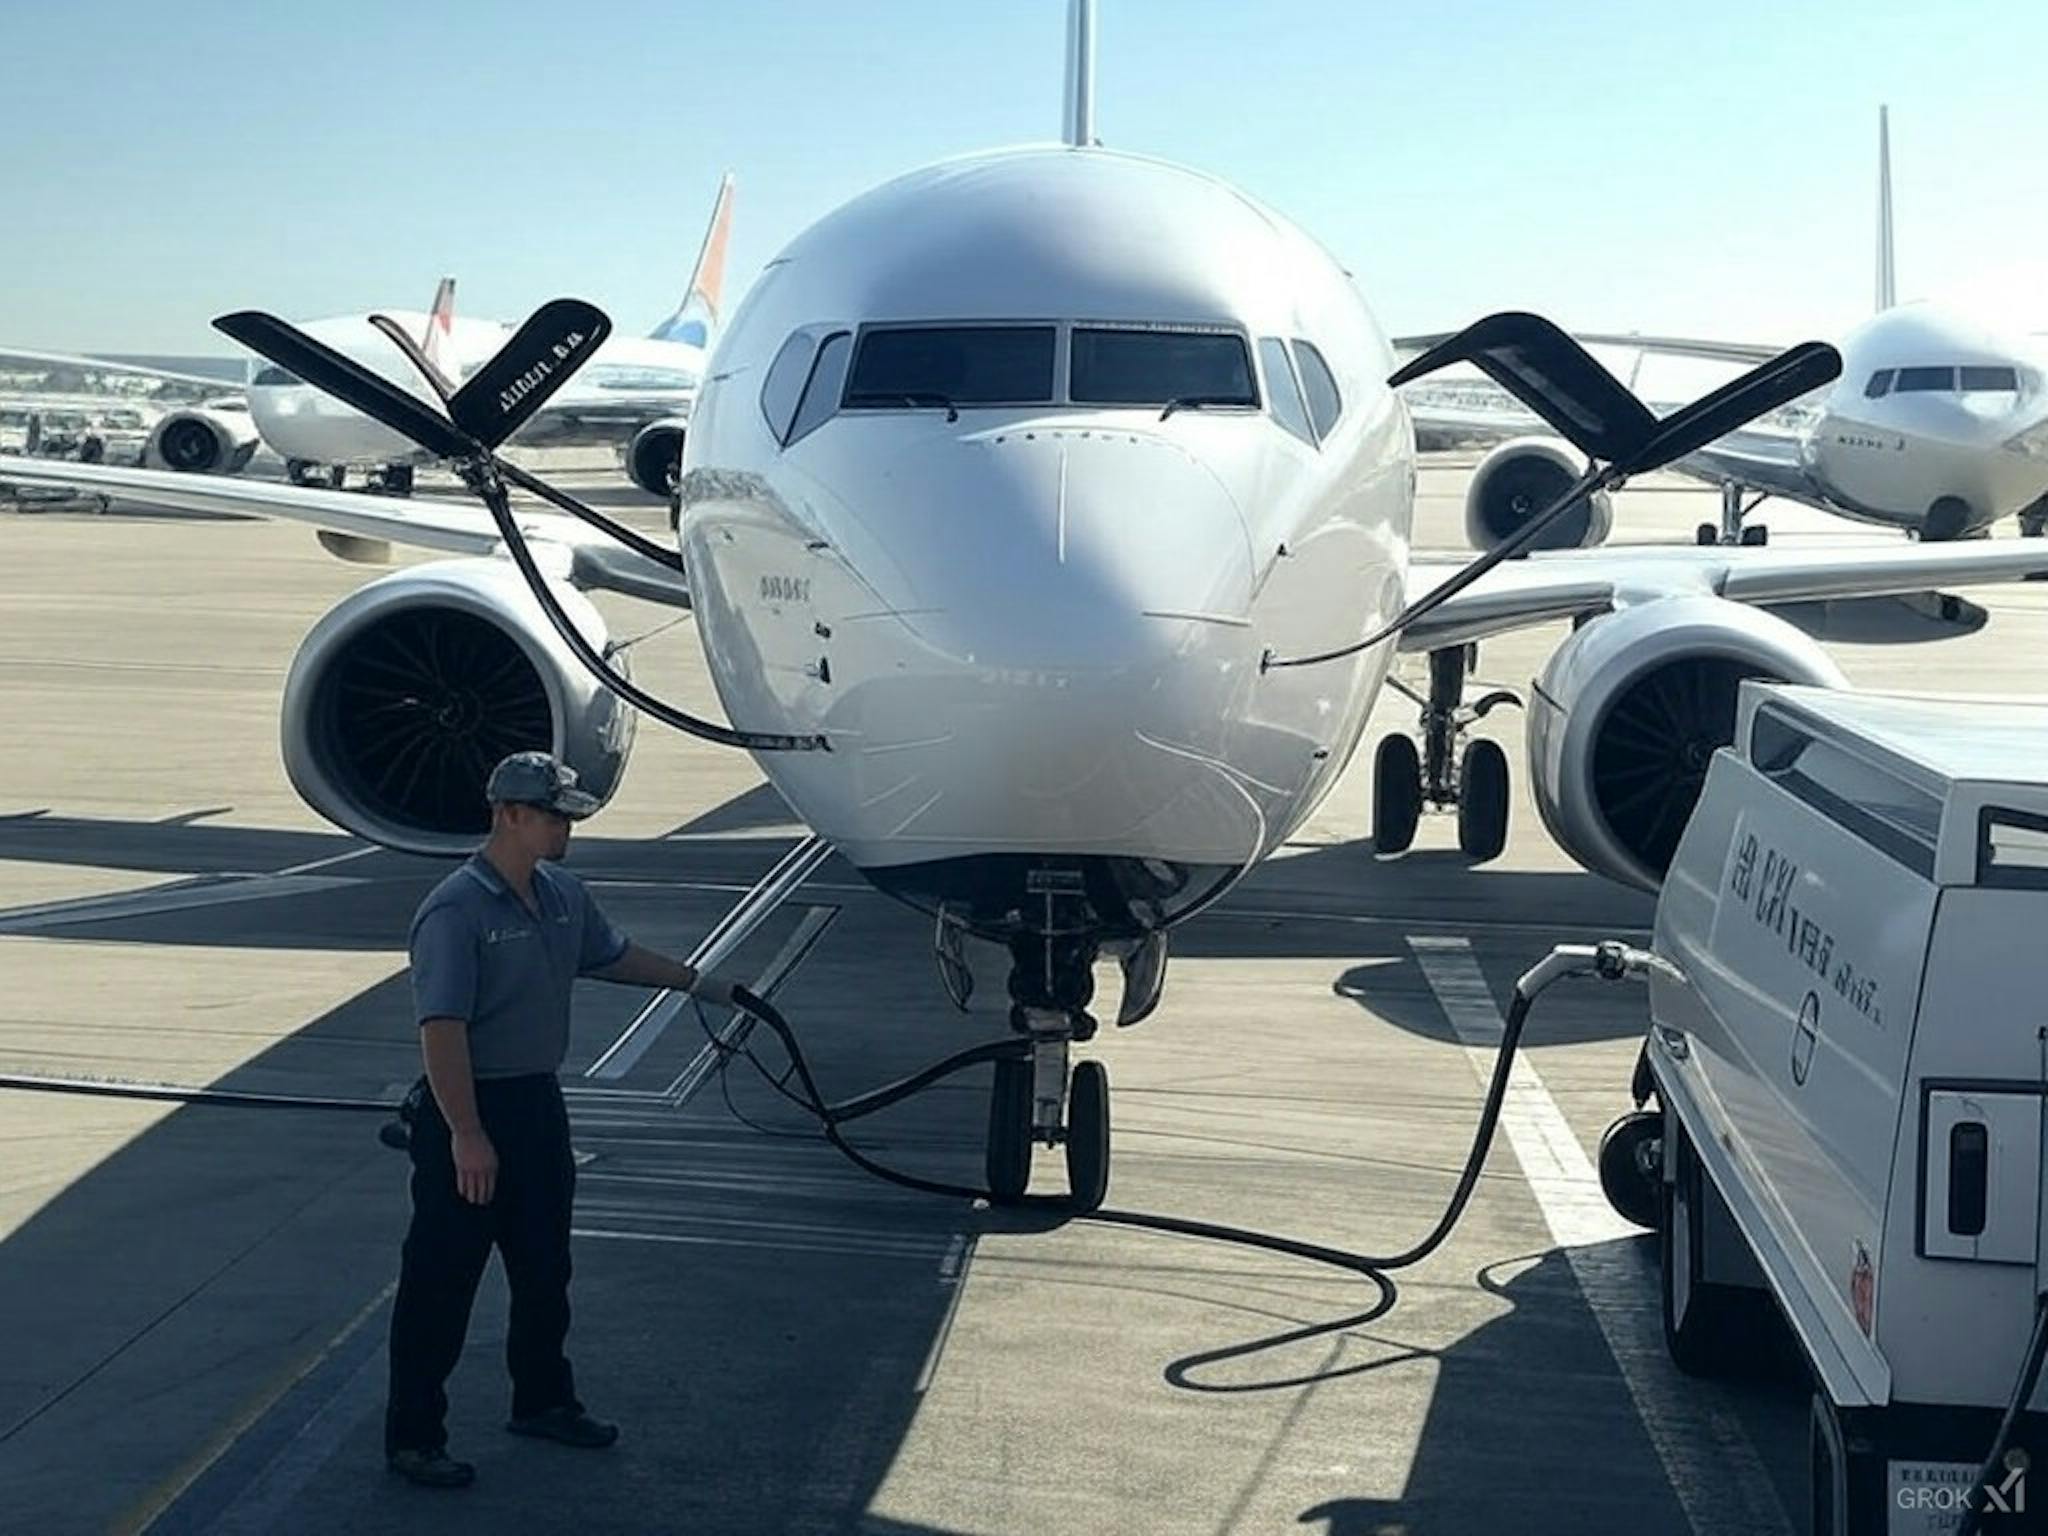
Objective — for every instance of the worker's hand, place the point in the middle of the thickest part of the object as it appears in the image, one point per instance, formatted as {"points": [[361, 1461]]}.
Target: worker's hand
{"points": [[716, 990], [476, 1166]]}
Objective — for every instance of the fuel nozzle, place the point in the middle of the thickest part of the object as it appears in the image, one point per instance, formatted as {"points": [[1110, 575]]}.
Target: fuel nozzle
{"points": [[1610, 960]]}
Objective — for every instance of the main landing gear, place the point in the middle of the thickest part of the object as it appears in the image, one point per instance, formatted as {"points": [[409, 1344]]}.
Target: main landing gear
{"points": [[1048, 1097], [1731, 529], [1446, 770], [385, 480], [2034, 519]]}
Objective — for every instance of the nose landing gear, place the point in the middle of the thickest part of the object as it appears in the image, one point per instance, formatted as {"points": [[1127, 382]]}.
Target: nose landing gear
{"points": [[1048, 1098]]}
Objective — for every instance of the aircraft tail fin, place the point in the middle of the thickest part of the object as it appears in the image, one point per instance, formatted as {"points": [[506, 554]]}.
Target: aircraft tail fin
{"points": [[696, 318], [1079, 126], [1887, 277], [438, 340]]}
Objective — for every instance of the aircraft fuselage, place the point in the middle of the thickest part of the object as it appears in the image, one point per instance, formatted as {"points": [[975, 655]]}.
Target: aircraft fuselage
{"points": [[1031, 627]]}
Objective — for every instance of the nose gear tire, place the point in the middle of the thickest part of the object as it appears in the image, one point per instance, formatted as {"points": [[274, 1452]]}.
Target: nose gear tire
{"points": [[1009, 1132], [1088, 1136]]}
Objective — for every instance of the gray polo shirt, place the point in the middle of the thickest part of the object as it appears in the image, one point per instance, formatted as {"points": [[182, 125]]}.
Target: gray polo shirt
{"points": [[480, 954]]}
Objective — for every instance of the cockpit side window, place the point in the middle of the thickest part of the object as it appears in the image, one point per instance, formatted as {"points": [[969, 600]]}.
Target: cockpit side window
{"points": [[1925, 380], [952, 365], [275, 376], [1325, 404], [1283, 396], [1879, 386], [821, 389], [784, 385], [1157, 366], [1986, 378]]}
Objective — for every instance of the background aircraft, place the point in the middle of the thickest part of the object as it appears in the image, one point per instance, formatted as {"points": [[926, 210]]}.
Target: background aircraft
{"points": [[636, 394], [1937, 426]]}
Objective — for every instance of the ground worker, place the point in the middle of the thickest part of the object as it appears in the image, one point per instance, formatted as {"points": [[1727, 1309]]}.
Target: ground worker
{"points": [[495, 948]]}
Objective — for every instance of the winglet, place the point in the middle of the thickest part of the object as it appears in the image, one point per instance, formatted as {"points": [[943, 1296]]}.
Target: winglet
{"points": [[696, 317]]}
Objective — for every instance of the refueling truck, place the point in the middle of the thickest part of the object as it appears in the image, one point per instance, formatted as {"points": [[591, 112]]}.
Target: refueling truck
{"points": [[1847, 1049]]}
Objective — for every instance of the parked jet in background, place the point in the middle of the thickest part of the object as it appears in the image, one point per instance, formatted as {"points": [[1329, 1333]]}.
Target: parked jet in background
{"points": [[636, 392], [1937, 426]]}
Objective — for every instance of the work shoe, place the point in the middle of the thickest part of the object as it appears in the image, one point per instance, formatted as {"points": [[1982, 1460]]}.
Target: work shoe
{"points": [[566, 1426], [431, 1469]]}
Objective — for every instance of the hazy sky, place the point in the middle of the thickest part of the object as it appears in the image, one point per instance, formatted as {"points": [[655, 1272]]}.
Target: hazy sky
{"points": [[1699, 169]]}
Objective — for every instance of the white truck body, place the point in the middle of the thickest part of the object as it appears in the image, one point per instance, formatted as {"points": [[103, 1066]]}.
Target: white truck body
{"points": [[1850, 1041]]}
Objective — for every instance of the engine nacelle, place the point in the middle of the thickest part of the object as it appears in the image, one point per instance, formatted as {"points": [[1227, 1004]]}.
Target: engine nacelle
{"points": [[1519, 479], [202, 440], [1630, 711], [406, 693], [654, 459]]}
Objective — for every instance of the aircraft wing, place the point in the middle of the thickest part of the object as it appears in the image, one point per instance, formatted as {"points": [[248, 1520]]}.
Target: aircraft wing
{"points": [[1562, 584], [22, 356], [1745, 353], [581, 555]]}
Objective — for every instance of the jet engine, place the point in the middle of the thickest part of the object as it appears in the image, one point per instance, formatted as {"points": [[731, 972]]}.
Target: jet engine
{"points": [[213, 439], [1519, 479], [407, 691], [655, 456], [1629, 712]]}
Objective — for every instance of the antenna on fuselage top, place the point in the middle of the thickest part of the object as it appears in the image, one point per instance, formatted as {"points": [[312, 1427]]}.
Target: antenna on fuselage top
{"points": [[1079, 126], [1887, 278]]}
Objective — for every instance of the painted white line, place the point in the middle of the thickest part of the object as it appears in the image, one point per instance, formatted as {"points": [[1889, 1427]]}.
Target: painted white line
{"points": [[1707, 1457], [330, 861], [952, 1270], [181, 896]]}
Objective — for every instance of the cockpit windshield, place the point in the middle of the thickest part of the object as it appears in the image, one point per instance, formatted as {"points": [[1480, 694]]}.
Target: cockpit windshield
{"points": [[1981, 378], [275, 377], [1156, 367], [1925, 380], [1969, 379], [952, 365]]}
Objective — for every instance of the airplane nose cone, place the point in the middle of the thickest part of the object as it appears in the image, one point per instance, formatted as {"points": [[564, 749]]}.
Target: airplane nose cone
{"points": [[1062, 548], [1073, 646]]}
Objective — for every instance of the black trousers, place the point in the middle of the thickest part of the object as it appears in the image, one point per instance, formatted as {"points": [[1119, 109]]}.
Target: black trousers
{"points": [[450, 1241]]}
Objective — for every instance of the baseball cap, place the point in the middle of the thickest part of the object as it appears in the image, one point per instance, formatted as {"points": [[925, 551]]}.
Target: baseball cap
{"points": [[539, 778]]}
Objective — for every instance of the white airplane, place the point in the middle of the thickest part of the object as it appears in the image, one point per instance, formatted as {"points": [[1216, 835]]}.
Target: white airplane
{"points": [[1938, 426], [181, 415], [1027, 484], [637, 392]]}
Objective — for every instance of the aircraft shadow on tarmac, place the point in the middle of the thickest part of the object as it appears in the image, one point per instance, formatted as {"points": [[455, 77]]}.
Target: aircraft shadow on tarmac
{"points": [[766, 1334]]}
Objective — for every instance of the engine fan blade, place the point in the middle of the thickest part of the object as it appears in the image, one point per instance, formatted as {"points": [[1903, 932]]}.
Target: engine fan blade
{"points": [[347, 380], [556, 340]]}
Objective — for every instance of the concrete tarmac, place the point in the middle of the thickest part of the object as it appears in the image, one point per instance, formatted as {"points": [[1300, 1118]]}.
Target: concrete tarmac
{"points": [[197, 1296]]}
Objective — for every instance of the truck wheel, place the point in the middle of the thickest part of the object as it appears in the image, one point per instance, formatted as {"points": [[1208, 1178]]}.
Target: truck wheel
{"points": [[1632, 1166], [1707, 1327]]}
